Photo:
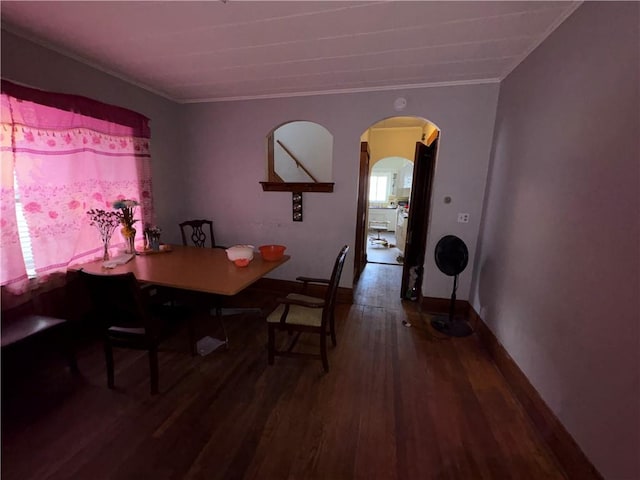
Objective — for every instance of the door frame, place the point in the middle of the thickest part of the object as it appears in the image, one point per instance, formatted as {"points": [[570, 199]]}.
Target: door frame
{"points": [[420, 209], [360, 254], [424, 164]]}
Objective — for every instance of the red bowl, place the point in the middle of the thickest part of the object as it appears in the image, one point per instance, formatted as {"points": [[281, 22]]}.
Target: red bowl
{"points": [[272, 253], [242, 262]]}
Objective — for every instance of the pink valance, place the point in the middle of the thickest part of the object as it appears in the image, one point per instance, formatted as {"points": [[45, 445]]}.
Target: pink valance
{"points": [[101, 117]]}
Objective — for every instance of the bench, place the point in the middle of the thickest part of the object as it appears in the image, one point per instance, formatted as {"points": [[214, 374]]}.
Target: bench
{"points": [[18, 329]]}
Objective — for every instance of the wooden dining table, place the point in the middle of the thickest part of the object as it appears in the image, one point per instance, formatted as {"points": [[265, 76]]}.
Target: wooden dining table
{"points": [[194, 269], [191, 268]]}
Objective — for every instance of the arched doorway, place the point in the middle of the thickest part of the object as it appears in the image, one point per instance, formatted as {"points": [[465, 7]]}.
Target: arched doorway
{"points": [[390, 181], [415, 139]]}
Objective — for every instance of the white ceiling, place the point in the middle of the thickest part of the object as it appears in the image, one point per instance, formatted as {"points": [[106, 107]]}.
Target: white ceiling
{"points": [[206, 51]]}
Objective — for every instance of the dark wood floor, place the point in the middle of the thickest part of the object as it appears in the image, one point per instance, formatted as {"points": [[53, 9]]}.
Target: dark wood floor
{"points": [[400, 402]]}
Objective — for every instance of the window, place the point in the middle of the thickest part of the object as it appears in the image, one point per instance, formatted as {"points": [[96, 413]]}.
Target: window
{"points": [[57, 163], [23, 231], [378, 188]]}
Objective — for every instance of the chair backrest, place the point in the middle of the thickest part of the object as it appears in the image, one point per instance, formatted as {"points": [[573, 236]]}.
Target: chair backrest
{"points": [[118, 301], [198, 232], [332, 289]]}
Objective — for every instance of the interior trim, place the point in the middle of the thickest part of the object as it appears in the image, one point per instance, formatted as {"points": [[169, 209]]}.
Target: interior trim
{"points": [[340, 91], [62, 51], [570, 456], [441, 306], [568, 453]]}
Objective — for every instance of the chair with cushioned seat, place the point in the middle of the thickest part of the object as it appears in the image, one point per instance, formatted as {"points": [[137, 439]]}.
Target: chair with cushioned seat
{"points": [[301, 313], [128, 319]]}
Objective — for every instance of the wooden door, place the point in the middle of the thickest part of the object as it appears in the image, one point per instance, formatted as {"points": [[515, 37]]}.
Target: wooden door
{"points": [[360, 255], [418, 221]]}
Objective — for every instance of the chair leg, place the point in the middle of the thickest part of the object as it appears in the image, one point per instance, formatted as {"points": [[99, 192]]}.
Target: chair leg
{"points": [[192, 336], [271, 344], [72, 361], [153, 369], [108, 355], [323, 351], [216, 311], [332, 329], [69, 345], [224, 330]]}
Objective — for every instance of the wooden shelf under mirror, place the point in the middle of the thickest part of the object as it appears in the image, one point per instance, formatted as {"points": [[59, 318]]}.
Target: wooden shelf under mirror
{"points": [[326, 187]]}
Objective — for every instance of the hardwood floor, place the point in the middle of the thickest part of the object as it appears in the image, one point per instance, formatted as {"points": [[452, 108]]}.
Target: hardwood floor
{"points": [[398, 403]]}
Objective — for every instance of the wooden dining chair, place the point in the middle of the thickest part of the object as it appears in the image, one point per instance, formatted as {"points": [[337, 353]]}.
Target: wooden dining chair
{"points": [[198, 231], [301, 313], [128, 319]]}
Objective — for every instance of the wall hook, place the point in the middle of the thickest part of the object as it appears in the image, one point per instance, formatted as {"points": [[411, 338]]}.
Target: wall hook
{"points": [[296, 200]]}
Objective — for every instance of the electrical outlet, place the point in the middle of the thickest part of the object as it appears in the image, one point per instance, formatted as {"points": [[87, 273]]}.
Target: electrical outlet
{"points": [[463, 218]]}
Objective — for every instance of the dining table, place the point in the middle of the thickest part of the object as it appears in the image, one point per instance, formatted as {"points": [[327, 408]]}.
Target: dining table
{"points": [[191, 268]]}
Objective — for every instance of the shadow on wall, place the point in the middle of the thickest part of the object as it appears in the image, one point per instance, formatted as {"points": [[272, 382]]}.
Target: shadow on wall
{"points": [[487, 284]]}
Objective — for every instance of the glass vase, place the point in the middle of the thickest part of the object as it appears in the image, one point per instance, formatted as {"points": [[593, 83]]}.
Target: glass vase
{"points": [[105, 253], [154, 243], [129, 235]]}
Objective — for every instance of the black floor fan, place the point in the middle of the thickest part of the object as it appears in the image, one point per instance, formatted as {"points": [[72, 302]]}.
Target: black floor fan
{"points": [[452, 257]]}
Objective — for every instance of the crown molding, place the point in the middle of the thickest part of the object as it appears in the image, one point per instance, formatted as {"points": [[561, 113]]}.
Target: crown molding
{"points": [[542, 38], [346, 90], [49, 46], [27, 36]]}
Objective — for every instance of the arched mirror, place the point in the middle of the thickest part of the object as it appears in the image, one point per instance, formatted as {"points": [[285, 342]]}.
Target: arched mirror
{"points": [[299, 158]]}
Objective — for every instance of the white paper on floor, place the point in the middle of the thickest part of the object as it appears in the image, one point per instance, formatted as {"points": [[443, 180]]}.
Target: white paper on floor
{"points": [[206, 345]]}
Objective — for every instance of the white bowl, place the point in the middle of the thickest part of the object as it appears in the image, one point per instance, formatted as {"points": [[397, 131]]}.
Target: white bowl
{"points": [[238, 252]]}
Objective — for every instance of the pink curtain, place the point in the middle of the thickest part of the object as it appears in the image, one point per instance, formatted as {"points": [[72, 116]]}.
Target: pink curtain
{"points": [[12, 268], [66, 162]]}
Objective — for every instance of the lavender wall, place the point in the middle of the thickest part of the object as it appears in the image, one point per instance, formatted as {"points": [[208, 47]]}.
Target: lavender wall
{"points": [[557, 273], [33, 65], [209, 158], [226, 159], [556, 276]]}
